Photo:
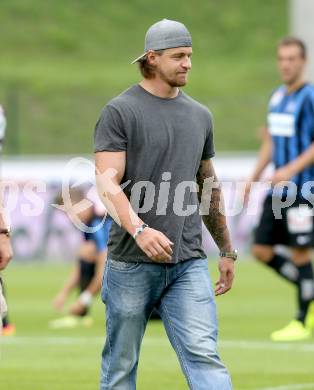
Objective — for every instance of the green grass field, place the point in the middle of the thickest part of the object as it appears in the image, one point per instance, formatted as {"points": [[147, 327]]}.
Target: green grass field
{"points": [[63, 60], [41, 359]]}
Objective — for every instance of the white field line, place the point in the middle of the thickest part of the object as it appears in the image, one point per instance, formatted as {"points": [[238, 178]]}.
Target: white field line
{"points": [[297, 386], [266, 345], [223, 344], [50, 340]]}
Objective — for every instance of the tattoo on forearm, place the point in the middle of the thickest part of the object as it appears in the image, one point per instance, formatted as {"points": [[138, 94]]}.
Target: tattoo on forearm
{"points": [[214, 218]]}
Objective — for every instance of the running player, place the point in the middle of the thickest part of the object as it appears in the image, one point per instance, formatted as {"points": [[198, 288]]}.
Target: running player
{"points": [[288, 143], [87, 273]]}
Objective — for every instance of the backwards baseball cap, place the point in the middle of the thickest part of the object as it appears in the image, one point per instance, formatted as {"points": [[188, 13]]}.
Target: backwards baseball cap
{"points": [[165, 34]]}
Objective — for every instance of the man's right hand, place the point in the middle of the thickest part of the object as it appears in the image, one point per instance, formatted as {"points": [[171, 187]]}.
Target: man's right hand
{"points": [[155, 245]]}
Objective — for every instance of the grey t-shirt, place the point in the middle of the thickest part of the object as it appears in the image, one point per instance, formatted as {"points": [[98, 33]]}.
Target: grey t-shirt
{"points": [[164, 140]]}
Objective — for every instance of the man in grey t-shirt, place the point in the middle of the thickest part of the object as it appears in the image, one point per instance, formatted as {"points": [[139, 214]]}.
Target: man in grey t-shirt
{"points": [[153, 146]]}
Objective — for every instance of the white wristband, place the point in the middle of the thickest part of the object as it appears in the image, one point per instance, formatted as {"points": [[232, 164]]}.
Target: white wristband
{"points": [[86, 298]]}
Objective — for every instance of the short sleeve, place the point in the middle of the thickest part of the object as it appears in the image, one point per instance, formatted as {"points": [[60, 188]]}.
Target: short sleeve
{"points": [[312, 112], [306, 116], [209, 149], [311, 97], [109, 132]]}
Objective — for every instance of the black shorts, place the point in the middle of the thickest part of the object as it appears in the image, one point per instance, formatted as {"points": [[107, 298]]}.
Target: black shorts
{"points": [[294, 229]]}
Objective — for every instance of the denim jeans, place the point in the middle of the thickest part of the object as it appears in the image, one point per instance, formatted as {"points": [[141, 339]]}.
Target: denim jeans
{"points": [[182, 293]]}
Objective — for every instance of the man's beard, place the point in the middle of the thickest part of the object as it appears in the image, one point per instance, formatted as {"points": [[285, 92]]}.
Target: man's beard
{"points": [[171, 81]]}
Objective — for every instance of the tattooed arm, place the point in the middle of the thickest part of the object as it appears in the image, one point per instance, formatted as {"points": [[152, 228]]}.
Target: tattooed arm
{"points": [[211, 199], [212, 208]]}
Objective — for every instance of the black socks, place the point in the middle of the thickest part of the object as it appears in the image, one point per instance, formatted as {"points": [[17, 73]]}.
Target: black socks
{"points": [[302, 276], [284, 268], [305, 289]]}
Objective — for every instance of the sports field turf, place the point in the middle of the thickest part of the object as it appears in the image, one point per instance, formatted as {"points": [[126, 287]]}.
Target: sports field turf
{"points": [[41, 359], [65, 59]]}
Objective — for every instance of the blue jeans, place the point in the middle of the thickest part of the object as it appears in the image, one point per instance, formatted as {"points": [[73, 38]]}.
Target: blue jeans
{"points": [[182, 293]]}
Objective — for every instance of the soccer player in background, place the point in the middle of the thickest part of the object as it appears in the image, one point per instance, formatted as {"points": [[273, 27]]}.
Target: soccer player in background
{"points": [[87, 273], [288, 144], [5, 247], [155, 135]]}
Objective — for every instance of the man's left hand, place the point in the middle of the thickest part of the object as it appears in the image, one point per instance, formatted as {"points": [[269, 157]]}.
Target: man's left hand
{"points": [[226, 269]]}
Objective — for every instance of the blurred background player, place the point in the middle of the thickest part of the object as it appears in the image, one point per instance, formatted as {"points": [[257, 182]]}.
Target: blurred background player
{"points": [[6, 328], [288, 143], [86, 277]]}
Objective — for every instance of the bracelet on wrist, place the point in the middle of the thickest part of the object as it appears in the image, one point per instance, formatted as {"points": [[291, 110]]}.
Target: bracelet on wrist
{"points": [[229, 254], [139, 230], [6, 231]]}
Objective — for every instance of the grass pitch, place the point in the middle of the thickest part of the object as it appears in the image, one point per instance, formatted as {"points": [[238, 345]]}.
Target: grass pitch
{"points": [[41, 359], [63, 60]]}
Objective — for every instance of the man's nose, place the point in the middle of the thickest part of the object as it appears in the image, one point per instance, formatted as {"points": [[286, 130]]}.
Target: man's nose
{"points": [[187, 64]]}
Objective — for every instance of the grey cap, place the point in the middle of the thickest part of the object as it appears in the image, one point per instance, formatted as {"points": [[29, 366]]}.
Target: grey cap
{"points": [[165, 34]]}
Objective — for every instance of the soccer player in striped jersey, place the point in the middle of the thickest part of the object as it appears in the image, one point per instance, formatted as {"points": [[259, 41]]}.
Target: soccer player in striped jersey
{"points": [[287, 216]]}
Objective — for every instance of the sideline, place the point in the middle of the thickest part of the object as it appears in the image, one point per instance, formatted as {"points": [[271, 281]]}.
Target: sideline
{"points": [[297, 386], [225, 344]]}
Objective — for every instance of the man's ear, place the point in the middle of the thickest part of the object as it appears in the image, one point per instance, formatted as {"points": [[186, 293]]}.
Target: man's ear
{"points": [[151, 57]]}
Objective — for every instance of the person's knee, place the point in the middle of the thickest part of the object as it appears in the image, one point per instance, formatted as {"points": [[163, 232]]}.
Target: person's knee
{"points": [[262, 253], [301, 256]]}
